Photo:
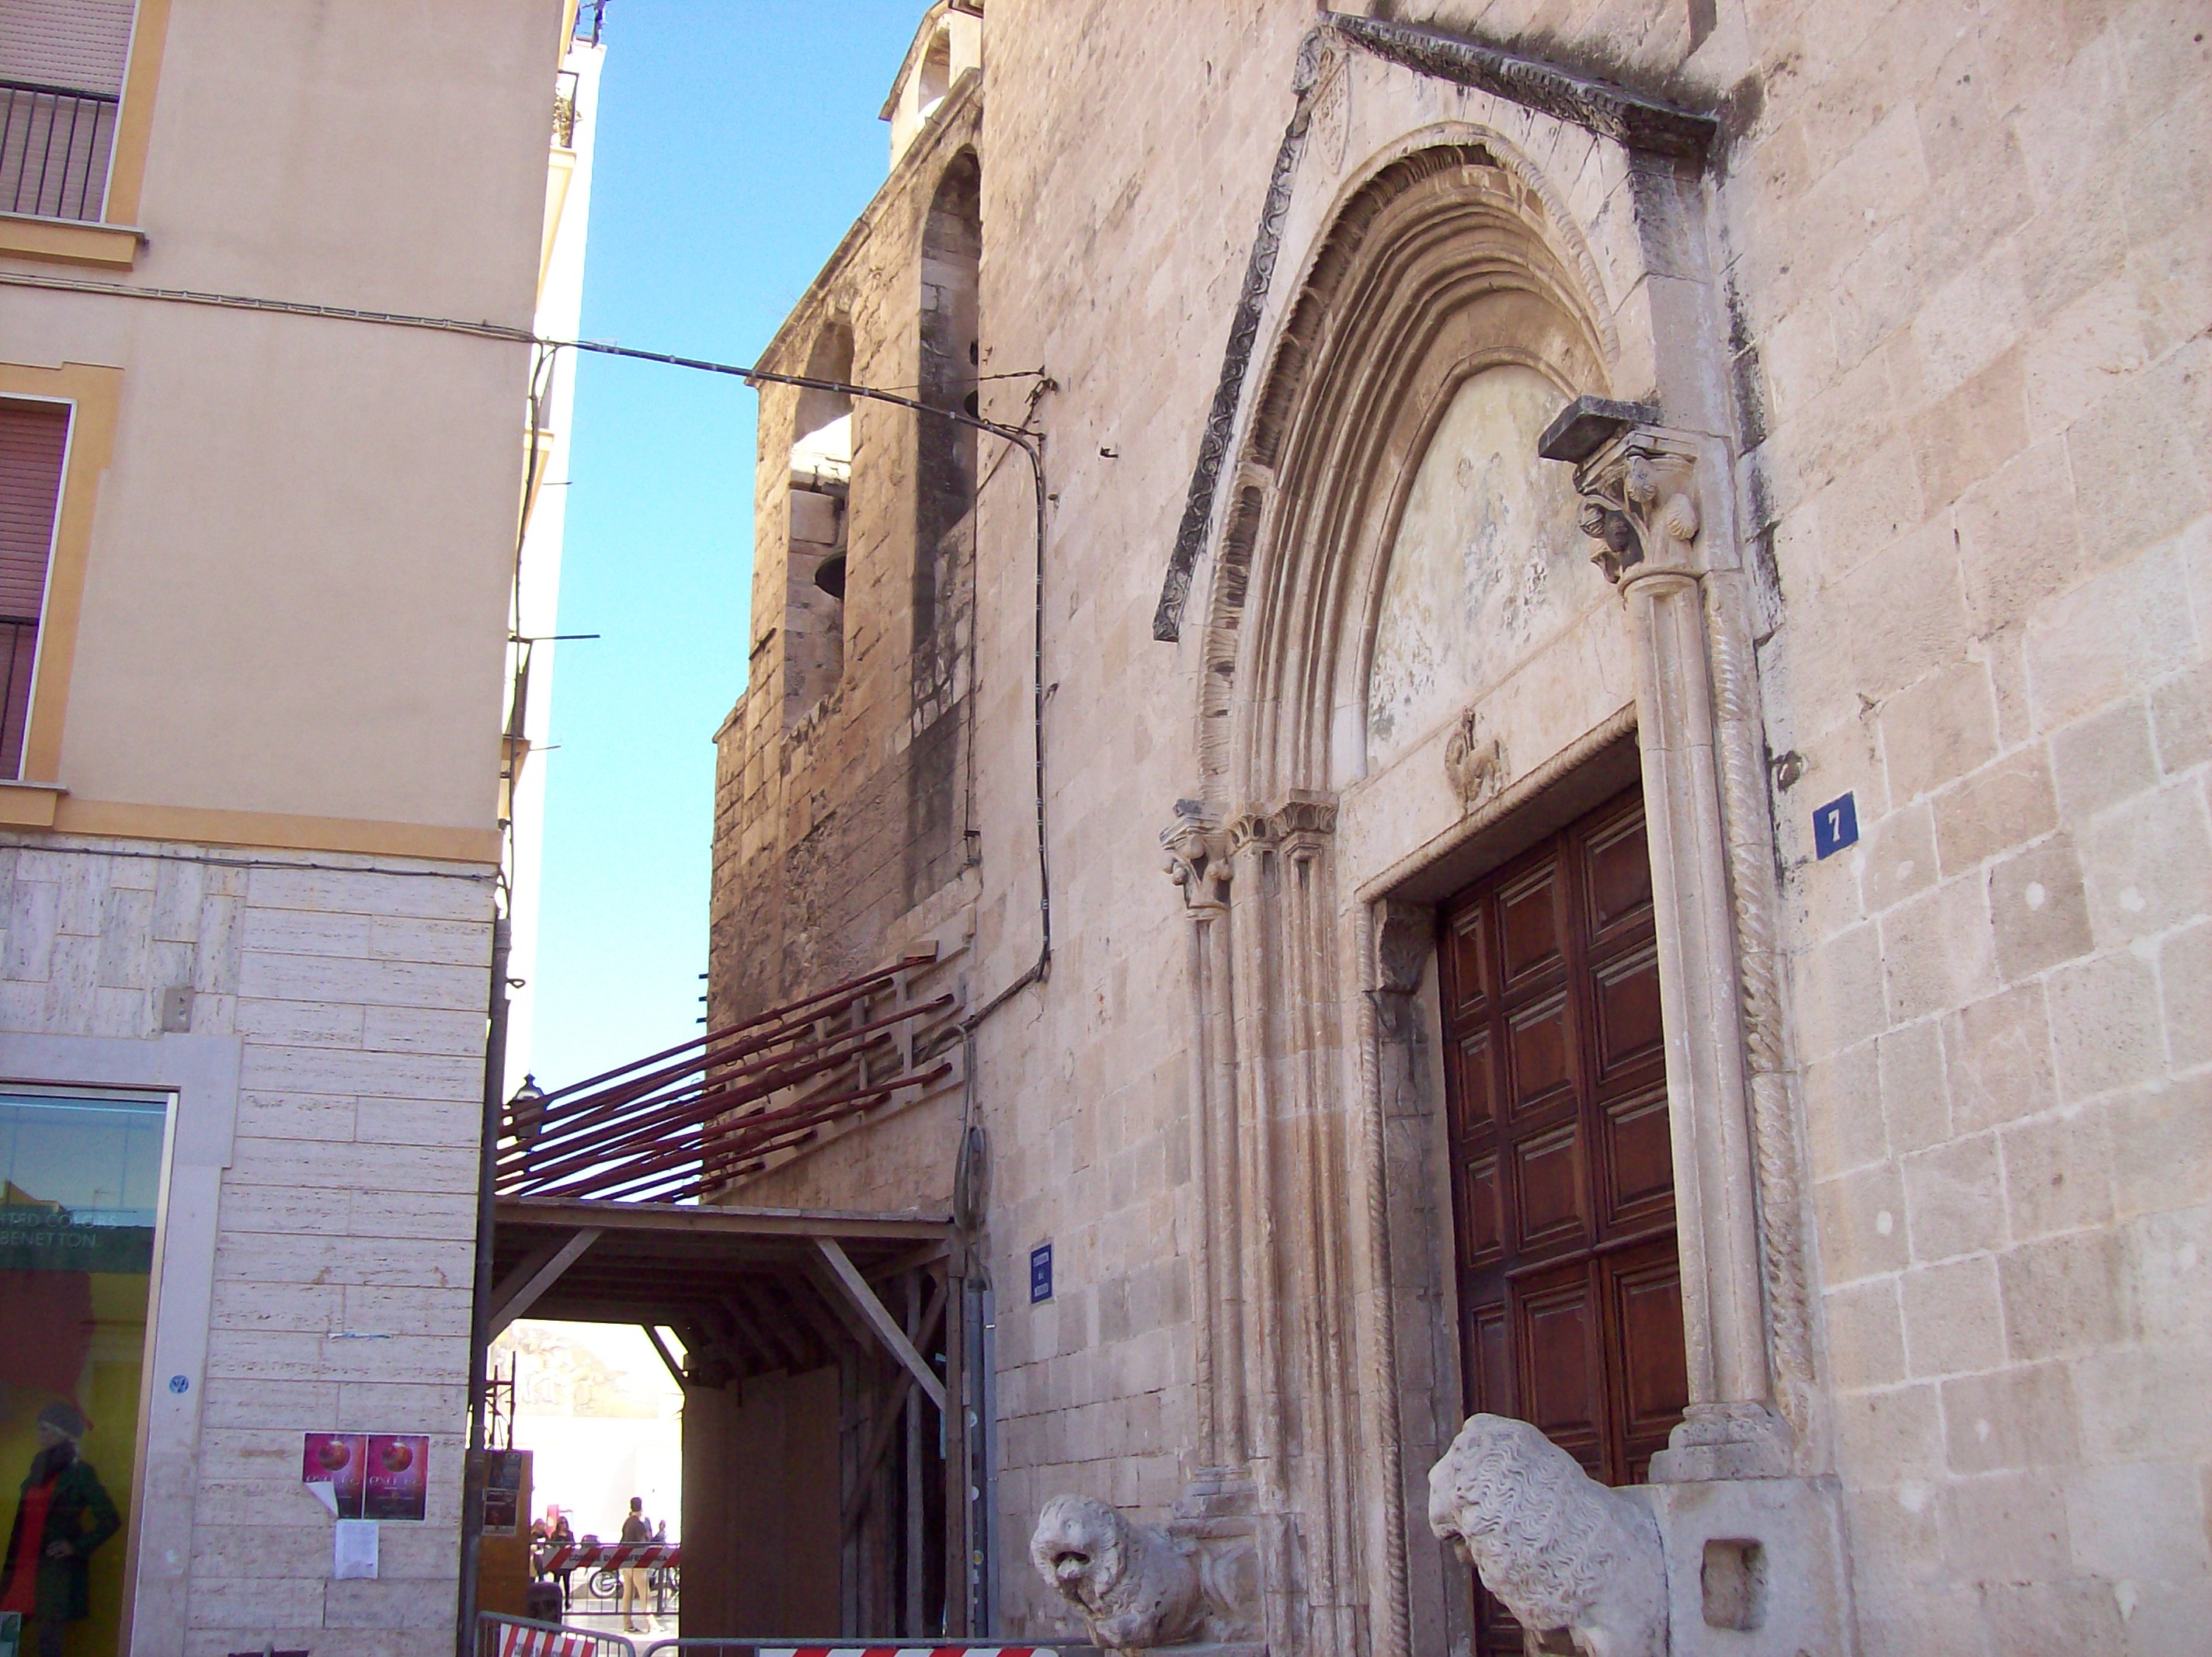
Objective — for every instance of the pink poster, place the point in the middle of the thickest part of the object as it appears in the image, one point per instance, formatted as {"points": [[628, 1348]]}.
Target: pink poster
{"points": [[398, 1477], [340, 1460]]}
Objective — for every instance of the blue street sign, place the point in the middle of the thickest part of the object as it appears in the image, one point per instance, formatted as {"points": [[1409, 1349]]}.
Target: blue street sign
{"points": [[1040, 1274], [1835, 826]]}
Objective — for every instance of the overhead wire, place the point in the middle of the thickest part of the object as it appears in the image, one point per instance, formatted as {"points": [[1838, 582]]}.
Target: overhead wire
{"points": [[1023, 437]]}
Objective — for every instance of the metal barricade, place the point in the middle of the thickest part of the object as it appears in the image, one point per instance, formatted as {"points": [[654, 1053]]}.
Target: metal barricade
{"points": [[501, 1635], [851, 1645]]}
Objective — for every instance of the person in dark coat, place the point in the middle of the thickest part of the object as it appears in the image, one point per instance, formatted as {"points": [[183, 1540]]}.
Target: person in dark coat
{"points": [[47, 1575]]}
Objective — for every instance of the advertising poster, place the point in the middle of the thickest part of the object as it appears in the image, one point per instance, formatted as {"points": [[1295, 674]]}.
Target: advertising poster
{"points": [[502, 1493], [338, 1459], [397, 1487]]}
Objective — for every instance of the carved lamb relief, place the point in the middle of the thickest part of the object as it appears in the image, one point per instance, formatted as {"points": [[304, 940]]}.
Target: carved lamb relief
{"points": [[1476, 768], [1561, 1550]]}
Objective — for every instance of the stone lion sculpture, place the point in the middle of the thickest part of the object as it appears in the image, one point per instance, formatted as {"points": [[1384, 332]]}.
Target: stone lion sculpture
{"points": [[1133, 1585], [1560, 1550]]}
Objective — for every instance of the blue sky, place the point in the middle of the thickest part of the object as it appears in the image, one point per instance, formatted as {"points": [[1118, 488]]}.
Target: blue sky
{"points": [[738, 140]]}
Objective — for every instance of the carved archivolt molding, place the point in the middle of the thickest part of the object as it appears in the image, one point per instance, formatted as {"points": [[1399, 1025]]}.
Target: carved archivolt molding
{"points": [[1448, 244], [1640, 123]]}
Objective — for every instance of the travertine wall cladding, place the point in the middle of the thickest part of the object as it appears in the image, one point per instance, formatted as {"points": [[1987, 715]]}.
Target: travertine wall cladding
{"points": [[1968, 262], [345, 1256]]}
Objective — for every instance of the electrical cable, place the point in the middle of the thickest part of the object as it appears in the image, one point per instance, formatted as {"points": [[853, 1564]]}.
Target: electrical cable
{"points": [[14, 841]]}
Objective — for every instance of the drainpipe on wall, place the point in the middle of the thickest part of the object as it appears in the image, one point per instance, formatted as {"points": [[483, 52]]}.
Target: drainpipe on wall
{"points": [[472, 1482]]}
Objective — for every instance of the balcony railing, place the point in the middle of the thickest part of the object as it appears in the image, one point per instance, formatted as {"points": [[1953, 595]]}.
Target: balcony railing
{"points": [[54, 145], [19, 649]]}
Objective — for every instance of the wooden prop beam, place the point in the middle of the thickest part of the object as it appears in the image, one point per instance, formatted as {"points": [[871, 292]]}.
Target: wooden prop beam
{"points": [[878, 1317], [534, 1277], [675, 1369]]}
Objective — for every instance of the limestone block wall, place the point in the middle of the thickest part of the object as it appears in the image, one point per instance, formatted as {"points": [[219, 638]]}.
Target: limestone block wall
{"points": [[1968, 258], [1971, 252], [343, 1254], [842, 805], [822, 802], [1128, 153]]}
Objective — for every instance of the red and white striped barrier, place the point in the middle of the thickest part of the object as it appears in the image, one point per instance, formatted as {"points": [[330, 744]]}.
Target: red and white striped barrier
{"points": [[908, 1651], [516, 1641], [614, 1555]]}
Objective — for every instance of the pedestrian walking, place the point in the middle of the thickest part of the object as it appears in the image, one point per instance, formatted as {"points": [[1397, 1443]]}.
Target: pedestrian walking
{"points": [[636, 1580]]}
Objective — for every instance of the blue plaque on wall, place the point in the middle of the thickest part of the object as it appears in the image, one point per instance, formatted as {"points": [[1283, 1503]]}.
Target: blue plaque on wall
{"points": [[1835, 826], [1040, 1274]]}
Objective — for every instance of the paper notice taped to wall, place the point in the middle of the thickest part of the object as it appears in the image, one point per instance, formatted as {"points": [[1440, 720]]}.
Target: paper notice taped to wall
{"points": [[352, 1550]]}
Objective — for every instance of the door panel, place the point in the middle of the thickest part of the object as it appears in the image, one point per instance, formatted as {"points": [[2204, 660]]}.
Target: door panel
{"points": [[1549, 1181], [1562, 1350], [1569, 1286], [1540, 1041], [1637, 1176], [1628, 1030], [1646, 1287], [1483, 1236]]}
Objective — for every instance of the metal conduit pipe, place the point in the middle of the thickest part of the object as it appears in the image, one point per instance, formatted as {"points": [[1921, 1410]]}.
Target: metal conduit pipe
{"points": [[472, 1478]]}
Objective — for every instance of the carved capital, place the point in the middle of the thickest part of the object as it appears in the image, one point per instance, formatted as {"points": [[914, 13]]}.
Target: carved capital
{"points": [[1299, 823], [1640, 504], [1404, 933], [1304, 817], [1197, 858], [1248, 829]]}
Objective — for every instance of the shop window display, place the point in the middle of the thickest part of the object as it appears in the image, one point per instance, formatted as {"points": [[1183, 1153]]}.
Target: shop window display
{"points": [[80, 1195]]}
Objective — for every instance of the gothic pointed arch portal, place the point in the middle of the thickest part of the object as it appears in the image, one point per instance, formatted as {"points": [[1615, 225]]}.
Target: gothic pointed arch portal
{"points": [[1446, 267], [1407, 643]]}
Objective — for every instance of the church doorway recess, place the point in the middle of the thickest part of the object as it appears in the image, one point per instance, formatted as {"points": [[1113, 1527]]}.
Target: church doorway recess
{"points": [[1569, 1280]]}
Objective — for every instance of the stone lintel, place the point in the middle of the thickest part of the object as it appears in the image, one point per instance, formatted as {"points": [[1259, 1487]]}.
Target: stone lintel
{"points": [[1629, 118]]}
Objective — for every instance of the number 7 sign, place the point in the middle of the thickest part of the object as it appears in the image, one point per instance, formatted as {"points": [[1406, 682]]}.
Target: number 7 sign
{"points": [[1835, 826]]}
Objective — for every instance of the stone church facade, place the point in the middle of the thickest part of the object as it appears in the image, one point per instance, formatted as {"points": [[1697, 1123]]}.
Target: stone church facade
{"points": [[1645, 570]]}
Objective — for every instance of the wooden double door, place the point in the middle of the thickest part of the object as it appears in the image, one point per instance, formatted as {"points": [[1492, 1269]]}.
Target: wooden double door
{"points": [[1569, 1286]]}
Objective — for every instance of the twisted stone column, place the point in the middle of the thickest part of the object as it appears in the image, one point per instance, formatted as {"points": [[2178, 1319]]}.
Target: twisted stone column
{"points": [[1736, 1188]]}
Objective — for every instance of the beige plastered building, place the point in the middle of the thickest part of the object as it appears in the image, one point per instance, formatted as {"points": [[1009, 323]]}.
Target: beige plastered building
{"points": [[254, 812], [1496, 988]]}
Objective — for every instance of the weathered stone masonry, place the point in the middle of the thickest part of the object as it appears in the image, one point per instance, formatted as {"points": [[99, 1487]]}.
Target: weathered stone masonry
{"points": [[1924, 336]]}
